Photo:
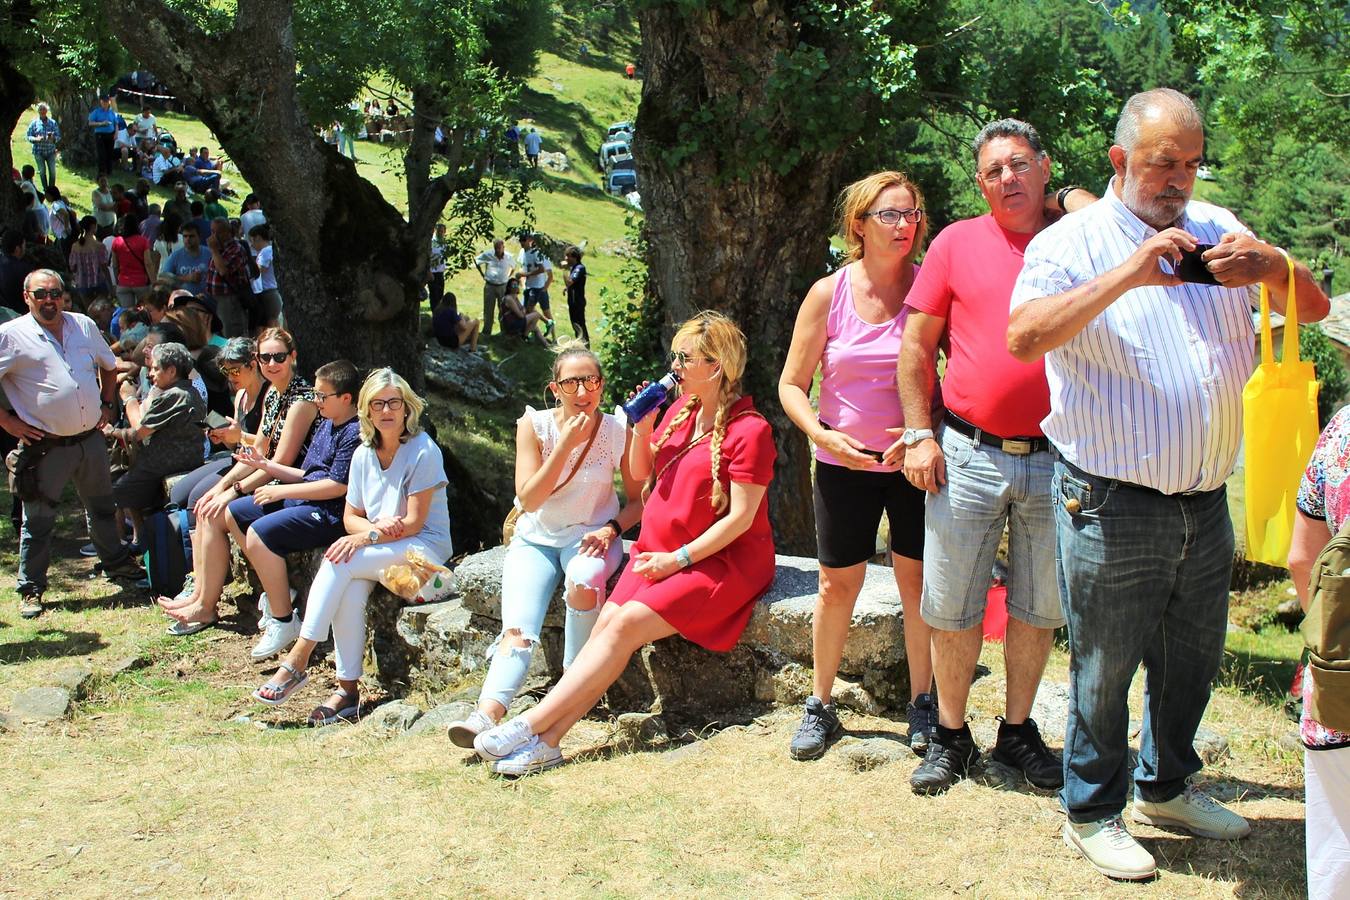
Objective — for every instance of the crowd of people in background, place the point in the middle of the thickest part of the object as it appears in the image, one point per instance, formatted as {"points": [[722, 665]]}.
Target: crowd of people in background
{"points": [[1068, 333]]}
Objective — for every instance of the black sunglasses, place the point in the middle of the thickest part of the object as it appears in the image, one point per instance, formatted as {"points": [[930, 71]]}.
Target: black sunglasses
{"points": [[273, 358], [46, 293]]}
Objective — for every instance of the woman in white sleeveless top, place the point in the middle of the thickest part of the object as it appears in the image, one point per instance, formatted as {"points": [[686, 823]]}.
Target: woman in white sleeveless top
{"points": [[569, 527]]}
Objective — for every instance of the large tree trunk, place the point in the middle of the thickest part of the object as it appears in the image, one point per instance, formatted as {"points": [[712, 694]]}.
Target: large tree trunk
{"points": [[748, 244], [16, 94], [348, 266], [71, 110]]}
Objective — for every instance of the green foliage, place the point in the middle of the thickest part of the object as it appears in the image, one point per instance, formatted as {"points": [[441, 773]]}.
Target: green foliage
{"points": [[632, 350], [1314, 344], [61, 45]]}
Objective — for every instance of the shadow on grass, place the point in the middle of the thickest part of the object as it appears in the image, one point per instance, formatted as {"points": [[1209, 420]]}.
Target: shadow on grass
{"points": [[1270, 862], [564, 117], [52, 643], [1260, 676]]}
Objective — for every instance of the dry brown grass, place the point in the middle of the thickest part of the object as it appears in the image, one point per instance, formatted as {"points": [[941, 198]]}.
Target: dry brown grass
{"points": [[152, 789]]}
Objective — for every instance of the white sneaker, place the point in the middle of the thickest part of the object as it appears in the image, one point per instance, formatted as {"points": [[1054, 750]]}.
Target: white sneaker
{"points": [[277, 636], [1111, 849], [1194, 811], [463, 732], [532, 756], [500, 740]]}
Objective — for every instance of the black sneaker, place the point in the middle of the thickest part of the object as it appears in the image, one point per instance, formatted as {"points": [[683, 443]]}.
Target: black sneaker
{"points": [[1020, 747], [950, 756], [922, 714], [128, 570], [820, 722]]}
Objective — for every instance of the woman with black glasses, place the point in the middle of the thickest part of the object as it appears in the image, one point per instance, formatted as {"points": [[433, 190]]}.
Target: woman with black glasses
{"points": [[288, 421], [568, 527], [849, 328]]}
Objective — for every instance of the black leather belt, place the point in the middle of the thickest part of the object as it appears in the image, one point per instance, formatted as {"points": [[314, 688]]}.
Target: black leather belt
{"points": [[70, 441], [1017, 446]]}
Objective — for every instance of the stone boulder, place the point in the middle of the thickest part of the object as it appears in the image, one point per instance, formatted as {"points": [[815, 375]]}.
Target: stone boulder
{"points": [[40, 704], [688, 686], [554, 162], [465, 376]]}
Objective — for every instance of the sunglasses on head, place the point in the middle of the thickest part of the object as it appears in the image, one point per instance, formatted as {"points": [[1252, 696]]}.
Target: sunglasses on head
{"points": [[275, 359]]}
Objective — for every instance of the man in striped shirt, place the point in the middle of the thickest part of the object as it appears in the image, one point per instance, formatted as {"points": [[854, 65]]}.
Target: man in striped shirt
{"points": [[1146, 374]]}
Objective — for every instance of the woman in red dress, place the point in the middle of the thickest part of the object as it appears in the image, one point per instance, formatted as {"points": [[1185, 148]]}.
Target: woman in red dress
{"points": [[706, 551]]}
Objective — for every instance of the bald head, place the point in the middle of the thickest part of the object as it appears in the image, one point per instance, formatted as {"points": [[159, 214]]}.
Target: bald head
{"points": [[1161, 104]]}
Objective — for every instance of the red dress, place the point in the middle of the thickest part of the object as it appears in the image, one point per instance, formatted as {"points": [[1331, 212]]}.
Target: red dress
{"points": [[710, 602]]}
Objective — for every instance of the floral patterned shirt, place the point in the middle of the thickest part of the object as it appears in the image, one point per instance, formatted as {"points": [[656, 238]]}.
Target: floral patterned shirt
{"points": [[1325, 494]]}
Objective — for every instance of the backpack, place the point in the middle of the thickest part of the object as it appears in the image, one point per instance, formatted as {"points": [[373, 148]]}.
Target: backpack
{"points": [[168, 555], [1326, 631]]}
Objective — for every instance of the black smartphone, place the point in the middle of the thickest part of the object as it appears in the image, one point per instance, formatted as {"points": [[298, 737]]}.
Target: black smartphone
{"points": [[1192, 268]]}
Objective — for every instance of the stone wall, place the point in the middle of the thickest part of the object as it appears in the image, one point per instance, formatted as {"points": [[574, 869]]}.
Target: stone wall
{"points": [[436, 648], [441, 645]]}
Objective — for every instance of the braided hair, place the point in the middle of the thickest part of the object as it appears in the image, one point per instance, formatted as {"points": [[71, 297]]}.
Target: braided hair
{"points": [[720, 340]]}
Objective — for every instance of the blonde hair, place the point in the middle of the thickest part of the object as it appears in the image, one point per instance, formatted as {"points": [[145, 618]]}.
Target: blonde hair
{"points": [[720, 340], [858, 196], [570, 347], [412, 404]]}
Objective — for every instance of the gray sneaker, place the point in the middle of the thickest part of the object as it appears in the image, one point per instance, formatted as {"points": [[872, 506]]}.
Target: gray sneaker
{"points": [[922, 714], [820, 722]]}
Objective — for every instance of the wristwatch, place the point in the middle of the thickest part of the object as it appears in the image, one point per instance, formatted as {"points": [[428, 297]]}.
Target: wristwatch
{"points": [[373, 536], [912, 436]]}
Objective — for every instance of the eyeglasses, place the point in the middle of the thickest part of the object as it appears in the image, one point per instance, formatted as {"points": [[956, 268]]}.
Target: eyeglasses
{"points": [[46, 293], [682, 359], [275, 359], [320, 396], [994, 174], [893, 216], [572, 385], [393, 405]]}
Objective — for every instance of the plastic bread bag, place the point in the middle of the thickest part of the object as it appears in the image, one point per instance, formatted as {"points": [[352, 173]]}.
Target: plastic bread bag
{"points": [[418, 579]]}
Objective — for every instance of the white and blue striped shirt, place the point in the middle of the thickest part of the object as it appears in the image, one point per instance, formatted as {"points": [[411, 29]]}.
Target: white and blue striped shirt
{"points": [[1150, 392]]}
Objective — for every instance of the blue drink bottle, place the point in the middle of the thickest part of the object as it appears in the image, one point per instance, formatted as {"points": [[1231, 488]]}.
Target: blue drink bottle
{"points": [[650, 397]]}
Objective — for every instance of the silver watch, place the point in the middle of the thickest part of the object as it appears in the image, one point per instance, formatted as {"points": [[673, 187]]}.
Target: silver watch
{"points": [[373, 536], [912, 436]]}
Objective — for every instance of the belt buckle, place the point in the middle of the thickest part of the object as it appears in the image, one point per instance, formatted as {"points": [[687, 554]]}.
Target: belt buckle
{"points": [[1017, 448]]}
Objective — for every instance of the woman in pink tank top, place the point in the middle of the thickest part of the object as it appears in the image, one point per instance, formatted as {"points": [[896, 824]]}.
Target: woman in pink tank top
{"points": [[849, 329]]}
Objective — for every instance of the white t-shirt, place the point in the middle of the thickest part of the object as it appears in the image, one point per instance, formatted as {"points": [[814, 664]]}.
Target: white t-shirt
{"points": [[144, 125], [417, 467], [588, 500], [165, 249], [55, 222], [437, 257], [531, 258], [248, 220], [267, 276]]}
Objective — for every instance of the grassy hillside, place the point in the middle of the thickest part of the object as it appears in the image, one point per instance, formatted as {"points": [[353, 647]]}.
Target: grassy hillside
{"points": [[571, 101]]}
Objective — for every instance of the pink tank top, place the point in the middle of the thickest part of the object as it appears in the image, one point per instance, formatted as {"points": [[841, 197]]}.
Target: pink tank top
{"points": [[858, 393]]}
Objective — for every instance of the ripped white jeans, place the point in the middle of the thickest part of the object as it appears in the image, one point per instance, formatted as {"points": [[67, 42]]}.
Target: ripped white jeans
{"points": [[530, 575]]}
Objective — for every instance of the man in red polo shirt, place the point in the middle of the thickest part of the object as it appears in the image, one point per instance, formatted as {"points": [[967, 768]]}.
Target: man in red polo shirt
{"points": [[988, 465]]}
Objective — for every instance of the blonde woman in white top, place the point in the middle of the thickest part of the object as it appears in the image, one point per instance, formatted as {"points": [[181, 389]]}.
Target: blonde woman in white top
{"points": [[570, 532]]}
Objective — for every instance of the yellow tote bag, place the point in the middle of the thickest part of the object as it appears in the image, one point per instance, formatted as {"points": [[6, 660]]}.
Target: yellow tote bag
{"points": [[1279, 432]]}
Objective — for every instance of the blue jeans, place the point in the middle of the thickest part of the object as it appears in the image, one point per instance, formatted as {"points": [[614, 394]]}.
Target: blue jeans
{"points": [[45, 162], [1144, 578], [530, 575]]}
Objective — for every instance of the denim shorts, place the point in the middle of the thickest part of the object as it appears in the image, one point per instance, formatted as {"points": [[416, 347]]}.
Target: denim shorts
{"points": [[536, 296], [986, 490]]}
